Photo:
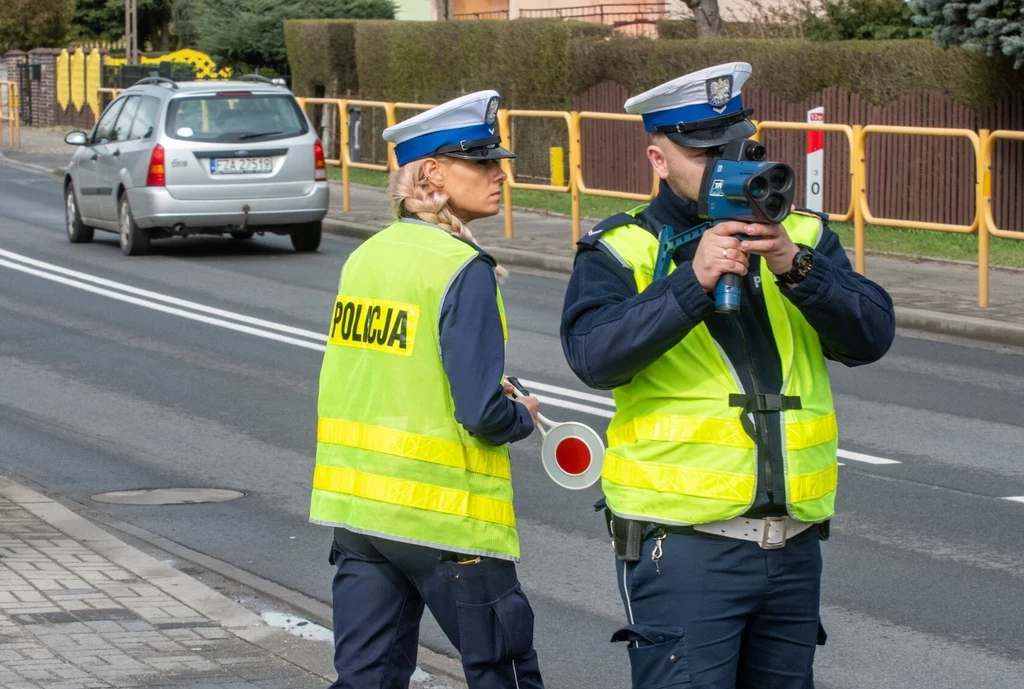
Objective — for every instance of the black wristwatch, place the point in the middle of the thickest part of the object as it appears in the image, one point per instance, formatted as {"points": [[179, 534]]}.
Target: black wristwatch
{"points": [[801, 266]]}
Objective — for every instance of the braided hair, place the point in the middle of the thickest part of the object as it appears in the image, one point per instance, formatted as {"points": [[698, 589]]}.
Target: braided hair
{"points": [[412, 194]]}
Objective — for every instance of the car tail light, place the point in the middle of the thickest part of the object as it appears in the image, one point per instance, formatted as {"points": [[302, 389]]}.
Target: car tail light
{"points": [[319, 165], [156, 176], [233, 94]]}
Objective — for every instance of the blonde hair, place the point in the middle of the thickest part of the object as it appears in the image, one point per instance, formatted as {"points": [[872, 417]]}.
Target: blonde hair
{"points": [[412, 194]]}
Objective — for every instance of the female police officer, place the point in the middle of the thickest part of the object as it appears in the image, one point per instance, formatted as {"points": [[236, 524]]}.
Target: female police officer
{"points": [[411, 464]]}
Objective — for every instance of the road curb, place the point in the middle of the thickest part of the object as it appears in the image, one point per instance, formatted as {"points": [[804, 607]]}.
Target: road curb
{"points": [[956, 325], [970, 327], [191, 592], [317, 611], [510, 257], [178, 585], [55, 173]]}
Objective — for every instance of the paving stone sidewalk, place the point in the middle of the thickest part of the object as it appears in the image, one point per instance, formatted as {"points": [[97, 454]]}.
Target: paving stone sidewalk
{"points": [[73, 618]]}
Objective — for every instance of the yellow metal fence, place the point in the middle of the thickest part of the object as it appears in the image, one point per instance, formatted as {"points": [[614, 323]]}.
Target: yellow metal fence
{"points": [[859, 210], [9, 94]]}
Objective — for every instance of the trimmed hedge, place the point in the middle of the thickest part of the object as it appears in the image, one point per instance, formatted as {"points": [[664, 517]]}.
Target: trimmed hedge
{"points": [[879, 71], [527, 61], [322, 52], [542, 63]]}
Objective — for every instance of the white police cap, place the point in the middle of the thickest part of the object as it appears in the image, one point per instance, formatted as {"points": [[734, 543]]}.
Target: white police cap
{"points": [[466, 127], [699, 110]]}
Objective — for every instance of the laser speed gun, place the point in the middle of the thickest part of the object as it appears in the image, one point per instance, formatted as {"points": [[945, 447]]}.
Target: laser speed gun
{"points": [[738, 185]]}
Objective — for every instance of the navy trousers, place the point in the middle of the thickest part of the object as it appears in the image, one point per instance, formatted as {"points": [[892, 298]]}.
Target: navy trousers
{"points": [[720, 613], [380, 589]]}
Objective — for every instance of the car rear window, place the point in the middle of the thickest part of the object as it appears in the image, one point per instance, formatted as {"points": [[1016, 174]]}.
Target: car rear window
{"points": [[235, 116]]}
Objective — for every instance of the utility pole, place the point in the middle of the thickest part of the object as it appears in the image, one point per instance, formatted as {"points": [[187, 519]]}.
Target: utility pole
{"points": [[131, 33]]}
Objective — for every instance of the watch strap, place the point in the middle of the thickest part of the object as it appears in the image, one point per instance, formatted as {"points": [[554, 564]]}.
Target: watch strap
{"points": [[799, 270]]}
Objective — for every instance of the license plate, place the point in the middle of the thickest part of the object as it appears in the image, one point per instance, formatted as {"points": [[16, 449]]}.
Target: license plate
{"points": [[240, 166]]}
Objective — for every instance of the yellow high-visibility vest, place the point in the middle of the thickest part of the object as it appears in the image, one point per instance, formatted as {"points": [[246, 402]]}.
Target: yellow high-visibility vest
{"points": [[678, 452], [391, 459]]}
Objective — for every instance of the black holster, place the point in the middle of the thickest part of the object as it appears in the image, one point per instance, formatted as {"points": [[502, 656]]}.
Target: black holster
{"points": [[627, 536], [824, 529]]}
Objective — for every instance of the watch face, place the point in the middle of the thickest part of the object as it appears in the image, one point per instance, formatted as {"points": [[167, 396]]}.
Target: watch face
{"points": [[801, 265]]}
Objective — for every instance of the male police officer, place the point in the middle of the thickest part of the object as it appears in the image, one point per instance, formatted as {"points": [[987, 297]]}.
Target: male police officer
{"points": [[722, 451]]}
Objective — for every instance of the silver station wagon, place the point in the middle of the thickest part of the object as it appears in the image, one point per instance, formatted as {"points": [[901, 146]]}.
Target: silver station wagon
{"points": [[173, 159]]}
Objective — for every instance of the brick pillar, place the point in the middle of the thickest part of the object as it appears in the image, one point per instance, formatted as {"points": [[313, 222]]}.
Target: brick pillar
{"points": [[44, 90], [12, 59]]}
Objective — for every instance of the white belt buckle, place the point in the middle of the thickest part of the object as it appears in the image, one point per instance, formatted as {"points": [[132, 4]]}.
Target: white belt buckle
{"points": [[773, 534]]}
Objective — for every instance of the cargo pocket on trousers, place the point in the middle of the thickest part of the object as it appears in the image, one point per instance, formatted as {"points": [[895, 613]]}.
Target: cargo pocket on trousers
{"points": [[496, 632], [657, 656]]}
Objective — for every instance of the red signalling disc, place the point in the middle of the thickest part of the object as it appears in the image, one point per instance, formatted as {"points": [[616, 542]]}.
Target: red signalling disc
{"points": [[573, 456]]}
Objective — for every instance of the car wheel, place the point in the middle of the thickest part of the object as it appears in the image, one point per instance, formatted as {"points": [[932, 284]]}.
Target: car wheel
{"points": [[77, 232], [134, 240], [241, 235], [306, 237]]}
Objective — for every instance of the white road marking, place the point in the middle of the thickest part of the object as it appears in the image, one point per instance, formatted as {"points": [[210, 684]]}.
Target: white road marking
{"points": [[590, 397], [575, 406], [270, 331], [156, 296], [160, 307], [1015, 498], [298, 626], [867, 459], [310, 630]]}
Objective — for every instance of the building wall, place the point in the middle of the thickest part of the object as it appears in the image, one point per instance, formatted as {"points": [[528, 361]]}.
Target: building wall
{"points": [[480, 6], [415, 10]]}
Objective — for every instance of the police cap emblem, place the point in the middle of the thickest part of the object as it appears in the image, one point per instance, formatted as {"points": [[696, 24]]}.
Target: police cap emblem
{"points": [[492, 110], [719, 92]]}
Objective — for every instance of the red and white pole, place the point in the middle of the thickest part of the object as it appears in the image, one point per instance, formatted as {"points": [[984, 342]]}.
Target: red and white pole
{"points": [[815, 161]]}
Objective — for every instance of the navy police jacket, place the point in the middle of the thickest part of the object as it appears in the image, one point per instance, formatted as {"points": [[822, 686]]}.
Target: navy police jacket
{"points": [[472, 345], [610, 332]]}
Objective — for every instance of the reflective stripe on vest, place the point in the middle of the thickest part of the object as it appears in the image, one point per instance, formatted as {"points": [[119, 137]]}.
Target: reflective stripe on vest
{"points": [[411, 494], [678, 453], [391, 458], [411, 446]]}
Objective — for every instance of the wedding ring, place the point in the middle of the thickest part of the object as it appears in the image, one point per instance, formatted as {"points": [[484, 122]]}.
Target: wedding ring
{"points": [[725, 253]]}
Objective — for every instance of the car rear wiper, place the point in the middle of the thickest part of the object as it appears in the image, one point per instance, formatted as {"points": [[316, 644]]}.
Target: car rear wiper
{"points": [[254, 135]]}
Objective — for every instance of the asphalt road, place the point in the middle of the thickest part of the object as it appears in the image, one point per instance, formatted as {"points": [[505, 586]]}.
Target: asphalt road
{"points": [[108, 383]]}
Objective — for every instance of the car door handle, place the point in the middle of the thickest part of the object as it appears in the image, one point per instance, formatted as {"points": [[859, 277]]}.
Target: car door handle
{"points": [[94, 156], [116, 153]]}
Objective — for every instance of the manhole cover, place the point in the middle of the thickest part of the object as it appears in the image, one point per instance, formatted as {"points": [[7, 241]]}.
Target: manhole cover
{"points": [[168, 496]]}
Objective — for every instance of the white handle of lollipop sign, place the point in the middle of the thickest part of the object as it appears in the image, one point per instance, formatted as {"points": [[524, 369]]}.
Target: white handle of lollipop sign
{"points": [[572, 453]]}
